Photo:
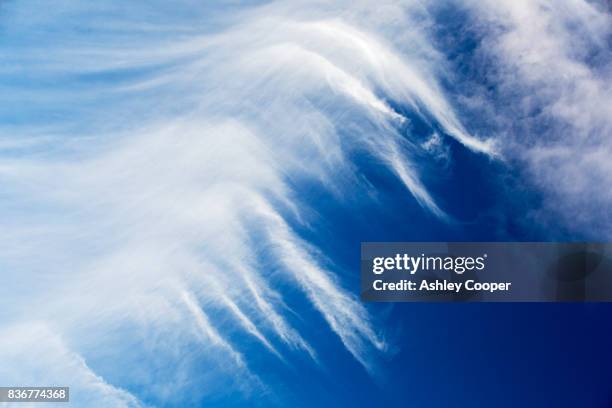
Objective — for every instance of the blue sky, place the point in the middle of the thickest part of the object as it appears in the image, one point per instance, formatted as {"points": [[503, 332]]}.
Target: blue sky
{"points": [[186, 186]]}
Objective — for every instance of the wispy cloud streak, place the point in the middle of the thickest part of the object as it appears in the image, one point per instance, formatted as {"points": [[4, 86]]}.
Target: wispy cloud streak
{"points": [[148, 168], [166, 180]]}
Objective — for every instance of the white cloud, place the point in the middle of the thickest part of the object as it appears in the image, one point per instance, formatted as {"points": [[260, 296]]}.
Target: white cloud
{"points": [[554, 67], [33, 355], [159, 200], [152, 208]]}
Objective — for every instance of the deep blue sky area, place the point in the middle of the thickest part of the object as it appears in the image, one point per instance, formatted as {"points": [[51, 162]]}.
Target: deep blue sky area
{"points": [[476, 355], [479, 355]]}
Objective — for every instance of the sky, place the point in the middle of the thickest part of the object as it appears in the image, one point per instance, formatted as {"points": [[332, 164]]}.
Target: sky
{"points": [[185, 187]]}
